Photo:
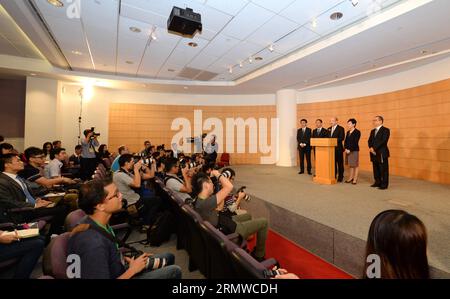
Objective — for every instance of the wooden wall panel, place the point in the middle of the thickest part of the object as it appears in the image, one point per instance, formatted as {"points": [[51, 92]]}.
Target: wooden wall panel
{"points": [[419, 119], [131, 124]]}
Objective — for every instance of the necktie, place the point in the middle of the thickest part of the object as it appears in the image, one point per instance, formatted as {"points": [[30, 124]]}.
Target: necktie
{"points": [[376, 132], [30, 198], [318, 132], [332, 131]]}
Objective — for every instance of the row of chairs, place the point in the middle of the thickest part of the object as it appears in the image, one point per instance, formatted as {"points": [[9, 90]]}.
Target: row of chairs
{"points": [[54, 262], [215, 255]]}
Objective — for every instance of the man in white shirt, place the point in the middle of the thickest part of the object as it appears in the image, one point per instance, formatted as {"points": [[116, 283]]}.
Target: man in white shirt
{"points": [[53, 169]]}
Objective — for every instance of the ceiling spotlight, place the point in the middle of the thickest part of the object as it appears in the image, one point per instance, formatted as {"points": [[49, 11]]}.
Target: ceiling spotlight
{"points": [[56, 3], [192, 44], [74, 52], [186, 87], [241, 64], [135, 29], [250, 60], [153, 36], [354, 2], [314, 23], [259, 58], [230, 70], [32, 74], [336, 16], [271, 49]]}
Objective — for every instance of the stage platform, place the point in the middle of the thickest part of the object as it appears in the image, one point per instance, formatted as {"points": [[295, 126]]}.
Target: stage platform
{"points": [[332, 221]]}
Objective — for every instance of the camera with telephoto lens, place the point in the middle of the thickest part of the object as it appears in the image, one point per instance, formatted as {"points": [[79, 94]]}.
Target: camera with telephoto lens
{"points": [[188, 163], [227, 174], [242, 189], [152, 262], [94, 135], [271, 273]]}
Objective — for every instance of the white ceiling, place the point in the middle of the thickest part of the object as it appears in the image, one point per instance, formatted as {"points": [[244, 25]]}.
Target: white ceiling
{"points": [[12, 41], [235, 30]]}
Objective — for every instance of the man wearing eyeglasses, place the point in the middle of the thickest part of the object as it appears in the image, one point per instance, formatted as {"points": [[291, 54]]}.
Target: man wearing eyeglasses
{"points": [[32, 171]]}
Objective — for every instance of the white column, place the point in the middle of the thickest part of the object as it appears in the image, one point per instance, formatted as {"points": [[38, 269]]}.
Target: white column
{"points": [[40, 111], [287, 132]]}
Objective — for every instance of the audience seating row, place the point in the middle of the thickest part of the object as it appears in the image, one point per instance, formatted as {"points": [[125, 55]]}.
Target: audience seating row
{"points": [[215, 255]]}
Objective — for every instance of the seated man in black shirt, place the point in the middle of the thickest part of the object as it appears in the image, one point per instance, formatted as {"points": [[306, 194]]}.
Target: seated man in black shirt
{"points": [[208, 205], [32, 171], [95, 243]]}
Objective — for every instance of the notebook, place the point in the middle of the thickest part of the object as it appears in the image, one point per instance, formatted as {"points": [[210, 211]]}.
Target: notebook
{"points": [[25, 233]]}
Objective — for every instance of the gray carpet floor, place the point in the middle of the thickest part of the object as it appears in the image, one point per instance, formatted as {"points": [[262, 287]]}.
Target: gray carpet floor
{"points": [[351, 208]]}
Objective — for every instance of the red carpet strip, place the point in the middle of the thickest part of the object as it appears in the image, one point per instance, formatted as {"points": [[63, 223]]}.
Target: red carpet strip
{"points": [[297, 260]]}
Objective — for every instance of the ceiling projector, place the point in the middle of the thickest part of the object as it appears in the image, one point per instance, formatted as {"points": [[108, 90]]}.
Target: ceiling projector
{"points": [[184, 22]]}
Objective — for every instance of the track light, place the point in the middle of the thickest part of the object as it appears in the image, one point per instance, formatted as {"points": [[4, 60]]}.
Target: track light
{"points": [[354, 2], [314, 23], [230, 70], [271, 49], [250, 60], [241, 64]]}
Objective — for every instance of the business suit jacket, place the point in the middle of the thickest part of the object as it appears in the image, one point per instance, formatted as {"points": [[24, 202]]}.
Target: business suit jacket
{"points": [[352, 140], [304, 138], [338, 133], [11, 197], [323, 133], [379, 144]]}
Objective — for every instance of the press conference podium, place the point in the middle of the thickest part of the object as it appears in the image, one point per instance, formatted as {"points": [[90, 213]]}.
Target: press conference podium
{"points": [[324, 160]]}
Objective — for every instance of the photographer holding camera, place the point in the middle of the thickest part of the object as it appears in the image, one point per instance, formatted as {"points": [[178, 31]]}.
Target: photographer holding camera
{"points": [[88, 153], [181, 187], [129, 177], [209, 205]]}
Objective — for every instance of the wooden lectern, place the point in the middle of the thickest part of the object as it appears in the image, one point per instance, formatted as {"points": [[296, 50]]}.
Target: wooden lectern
{"points": [[324, 160]]}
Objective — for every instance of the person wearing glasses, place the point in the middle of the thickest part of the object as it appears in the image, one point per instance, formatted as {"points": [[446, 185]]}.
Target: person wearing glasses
{"points": [[181, 187], [32, 172]]}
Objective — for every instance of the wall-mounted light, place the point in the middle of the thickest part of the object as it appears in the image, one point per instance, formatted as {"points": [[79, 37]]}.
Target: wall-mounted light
{"points": [[87, 91]]}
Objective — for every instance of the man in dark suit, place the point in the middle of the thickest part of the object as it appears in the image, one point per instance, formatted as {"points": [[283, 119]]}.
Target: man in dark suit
{"points": [[319, 131], [379, 153], [336, 131], [304, 146], [15, 194]]}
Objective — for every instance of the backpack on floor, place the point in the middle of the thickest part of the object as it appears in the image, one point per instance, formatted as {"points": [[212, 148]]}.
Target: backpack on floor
{"points": [[162, 229]]}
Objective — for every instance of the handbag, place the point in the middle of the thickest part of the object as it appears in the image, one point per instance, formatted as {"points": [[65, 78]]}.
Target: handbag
{"points": [[226, 225]]}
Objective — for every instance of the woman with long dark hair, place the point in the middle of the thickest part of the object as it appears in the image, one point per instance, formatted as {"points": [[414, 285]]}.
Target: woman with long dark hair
{"points": [[47, 148], [103, 152], [399, 240]]}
